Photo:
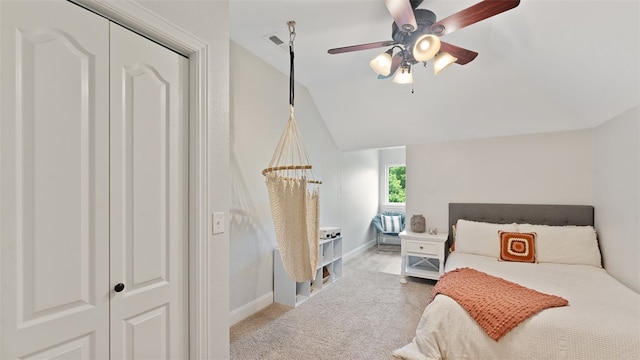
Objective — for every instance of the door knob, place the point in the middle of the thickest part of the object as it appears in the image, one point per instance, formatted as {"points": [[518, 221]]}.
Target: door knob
{"points": [[119, 287]]}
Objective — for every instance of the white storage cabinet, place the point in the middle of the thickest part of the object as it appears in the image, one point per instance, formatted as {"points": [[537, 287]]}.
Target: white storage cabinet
{"points": [[422, 255], [293, 293]]}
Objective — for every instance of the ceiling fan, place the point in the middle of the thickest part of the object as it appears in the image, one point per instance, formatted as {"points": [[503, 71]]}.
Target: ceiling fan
{"points": [[416, 33]]}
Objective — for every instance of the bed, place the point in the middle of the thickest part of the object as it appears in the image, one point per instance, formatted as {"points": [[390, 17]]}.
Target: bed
{"points": [[601, 320]]}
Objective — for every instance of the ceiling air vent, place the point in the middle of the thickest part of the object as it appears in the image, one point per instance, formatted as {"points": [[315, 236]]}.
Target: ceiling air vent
{"points": [[276, 41]]}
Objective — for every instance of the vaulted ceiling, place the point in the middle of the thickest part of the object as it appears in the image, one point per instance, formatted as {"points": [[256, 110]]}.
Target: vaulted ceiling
{"points": [[547, 65]]}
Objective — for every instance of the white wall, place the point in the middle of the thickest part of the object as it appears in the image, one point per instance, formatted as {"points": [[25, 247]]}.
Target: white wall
{"points": [[208, 21], [359, 199], [616, 195], [389, 156], [259, 111], [551, 168]]}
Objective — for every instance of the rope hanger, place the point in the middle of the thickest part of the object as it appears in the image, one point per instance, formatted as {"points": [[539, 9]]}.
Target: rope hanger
{"points": [[292, 37], [290, 157]]}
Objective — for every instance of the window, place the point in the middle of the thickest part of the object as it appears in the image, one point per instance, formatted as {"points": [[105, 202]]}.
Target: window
{"points": [[395, 182]]}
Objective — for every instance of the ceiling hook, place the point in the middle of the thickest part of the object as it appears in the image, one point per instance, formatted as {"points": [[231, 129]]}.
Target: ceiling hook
{"points": [[292, 32]]}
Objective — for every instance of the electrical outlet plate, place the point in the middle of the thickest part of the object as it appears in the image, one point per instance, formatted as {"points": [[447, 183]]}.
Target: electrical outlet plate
{"points": [[218, 223]]}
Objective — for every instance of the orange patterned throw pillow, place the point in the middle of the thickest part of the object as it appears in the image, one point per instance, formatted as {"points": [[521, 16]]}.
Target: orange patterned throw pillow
{"points": [[520, 247]]}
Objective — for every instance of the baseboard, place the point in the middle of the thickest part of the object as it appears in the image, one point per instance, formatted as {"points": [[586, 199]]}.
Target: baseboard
{"points": [[243, 312], [359, 250]]}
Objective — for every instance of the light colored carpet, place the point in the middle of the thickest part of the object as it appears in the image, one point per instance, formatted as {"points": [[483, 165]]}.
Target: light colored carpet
{"points": [[364, 315], [377, 260]]}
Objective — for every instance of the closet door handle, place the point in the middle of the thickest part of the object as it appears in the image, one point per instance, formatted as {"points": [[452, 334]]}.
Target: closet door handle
{"points": [[119, 287]]}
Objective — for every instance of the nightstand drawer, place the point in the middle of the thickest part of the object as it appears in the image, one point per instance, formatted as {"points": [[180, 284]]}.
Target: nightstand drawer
{"points": [[422, 247]]}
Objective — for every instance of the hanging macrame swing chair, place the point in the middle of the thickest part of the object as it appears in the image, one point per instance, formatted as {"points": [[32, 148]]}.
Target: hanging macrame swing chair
{"points": [[294, 194]]}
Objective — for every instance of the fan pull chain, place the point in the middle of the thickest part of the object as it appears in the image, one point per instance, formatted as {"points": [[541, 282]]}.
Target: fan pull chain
{"points": [[413, 83], [292, 36]]}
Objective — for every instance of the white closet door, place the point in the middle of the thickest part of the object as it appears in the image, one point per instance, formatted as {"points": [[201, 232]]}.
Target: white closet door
{"points": [[54, 220], [149, 183]]}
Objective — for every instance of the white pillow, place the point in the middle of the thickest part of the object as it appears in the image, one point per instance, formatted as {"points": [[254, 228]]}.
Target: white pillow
{"points": [[565, 244], [391, 223], [480, 238]]}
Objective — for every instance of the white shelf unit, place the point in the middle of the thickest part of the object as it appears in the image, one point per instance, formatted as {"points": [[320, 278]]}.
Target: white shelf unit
{"points": [[293, 293]]}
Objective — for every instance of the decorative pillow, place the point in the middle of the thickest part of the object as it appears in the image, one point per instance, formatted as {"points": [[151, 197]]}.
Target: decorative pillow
{"points": [[565, 244], [474, 237], [520, 247], [391, 223]]}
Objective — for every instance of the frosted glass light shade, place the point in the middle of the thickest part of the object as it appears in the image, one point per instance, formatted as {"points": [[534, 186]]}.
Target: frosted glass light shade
{"points": [[381, 64], [442, 61], [403, 76], [426, 47]]}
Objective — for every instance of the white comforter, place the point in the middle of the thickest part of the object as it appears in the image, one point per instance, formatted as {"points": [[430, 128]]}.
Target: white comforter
{"points": [[602, 320]]}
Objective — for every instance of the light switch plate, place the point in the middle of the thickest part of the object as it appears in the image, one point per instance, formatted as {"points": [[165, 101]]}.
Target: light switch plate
{"points": [[218, 223]]}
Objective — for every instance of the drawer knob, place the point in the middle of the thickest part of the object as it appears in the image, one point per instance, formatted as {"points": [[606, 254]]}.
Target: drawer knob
{"points": [[421, 248]]}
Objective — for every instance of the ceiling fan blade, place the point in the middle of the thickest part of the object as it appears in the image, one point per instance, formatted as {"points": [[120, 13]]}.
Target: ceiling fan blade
{"points": [[472, 15], [415, 3], [368, 46], [396, 60], [464, 56], [402, 13]]}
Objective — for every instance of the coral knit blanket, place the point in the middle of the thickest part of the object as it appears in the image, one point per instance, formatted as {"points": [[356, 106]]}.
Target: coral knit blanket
{"points": [[497, 305]]}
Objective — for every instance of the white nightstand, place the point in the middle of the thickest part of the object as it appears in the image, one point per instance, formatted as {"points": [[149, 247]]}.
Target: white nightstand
{"points": [[422, 255]]}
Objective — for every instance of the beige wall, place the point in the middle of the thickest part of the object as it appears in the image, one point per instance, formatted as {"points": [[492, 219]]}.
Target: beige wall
{"points": [[598, 167], [359, 199], [551, 168], [616, 195]]}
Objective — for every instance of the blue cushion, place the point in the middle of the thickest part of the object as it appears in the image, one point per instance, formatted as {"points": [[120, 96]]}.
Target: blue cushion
{"points": [[391, 223]]}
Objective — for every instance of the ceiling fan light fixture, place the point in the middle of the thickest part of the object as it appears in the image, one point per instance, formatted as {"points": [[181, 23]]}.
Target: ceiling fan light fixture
{"points": [[403, 76], [442, 61], [426, 47], [381, 64]]}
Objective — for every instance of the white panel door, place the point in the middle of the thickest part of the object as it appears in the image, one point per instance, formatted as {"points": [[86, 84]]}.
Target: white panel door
{"points": [[54, 173], [149, 185]]}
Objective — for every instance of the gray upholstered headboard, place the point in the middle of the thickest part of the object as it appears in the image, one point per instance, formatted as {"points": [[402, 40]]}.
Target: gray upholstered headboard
{"points": [[521, 213]]}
